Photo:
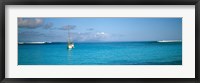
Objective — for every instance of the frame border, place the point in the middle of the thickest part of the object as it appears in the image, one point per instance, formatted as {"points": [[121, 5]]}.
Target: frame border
{"points": [[3, 3]]}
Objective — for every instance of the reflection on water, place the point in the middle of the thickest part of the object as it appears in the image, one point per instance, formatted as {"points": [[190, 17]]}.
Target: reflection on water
{"points": [[69, 56]]}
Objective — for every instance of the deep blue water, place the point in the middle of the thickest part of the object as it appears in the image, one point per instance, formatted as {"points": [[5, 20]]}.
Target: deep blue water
{"points": [[110, 53]]}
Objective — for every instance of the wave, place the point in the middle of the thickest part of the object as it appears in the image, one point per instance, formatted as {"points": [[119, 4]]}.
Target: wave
{"points": [[33, 42], [20, 42], [170, 41]]}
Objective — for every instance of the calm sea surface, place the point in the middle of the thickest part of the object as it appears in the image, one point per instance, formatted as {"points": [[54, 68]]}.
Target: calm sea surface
{"points": [[110, 53]]}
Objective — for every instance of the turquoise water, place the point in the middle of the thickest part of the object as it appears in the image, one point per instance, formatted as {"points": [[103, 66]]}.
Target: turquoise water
{"points": [[103, 53]]}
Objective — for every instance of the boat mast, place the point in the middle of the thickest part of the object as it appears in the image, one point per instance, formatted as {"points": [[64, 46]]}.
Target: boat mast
{"points": [[68, 35]]}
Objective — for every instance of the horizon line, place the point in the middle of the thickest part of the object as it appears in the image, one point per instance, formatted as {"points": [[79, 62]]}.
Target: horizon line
{"points": [[95, 41]]}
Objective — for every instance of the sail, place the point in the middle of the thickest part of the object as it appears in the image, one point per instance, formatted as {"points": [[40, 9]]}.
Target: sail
{"points": [[70, 43]]}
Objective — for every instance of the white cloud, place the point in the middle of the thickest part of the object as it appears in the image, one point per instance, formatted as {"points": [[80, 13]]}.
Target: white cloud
{"points": [[88, 36], [101, 35]]}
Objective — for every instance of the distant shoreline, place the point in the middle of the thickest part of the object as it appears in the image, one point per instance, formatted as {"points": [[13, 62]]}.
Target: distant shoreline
{"points": [[162, 41]]}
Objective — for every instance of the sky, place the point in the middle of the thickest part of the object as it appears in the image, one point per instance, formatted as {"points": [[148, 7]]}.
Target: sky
{"points": [[98, 29]]}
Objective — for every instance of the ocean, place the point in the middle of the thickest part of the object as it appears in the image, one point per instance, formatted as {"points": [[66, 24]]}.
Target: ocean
{"points": [[101, 53]]}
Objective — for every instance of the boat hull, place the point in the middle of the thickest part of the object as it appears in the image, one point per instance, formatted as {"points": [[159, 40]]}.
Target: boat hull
{"points": [[70, 46]]}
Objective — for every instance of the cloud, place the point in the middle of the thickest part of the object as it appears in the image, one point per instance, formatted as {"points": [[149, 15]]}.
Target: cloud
{"points": [[61, 36], [101, 35], [90, 29], [34, 36], [29, 35], [30, 22], [89, 37], [68, 27], [48, 25]]}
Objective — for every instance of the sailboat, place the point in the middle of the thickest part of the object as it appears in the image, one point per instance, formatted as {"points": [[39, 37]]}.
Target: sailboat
{"points": [[70, 44]]}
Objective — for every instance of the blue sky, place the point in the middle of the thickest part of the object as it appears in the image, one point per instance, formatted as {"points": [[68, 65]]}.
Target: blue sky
{"points": [[99, 29]]}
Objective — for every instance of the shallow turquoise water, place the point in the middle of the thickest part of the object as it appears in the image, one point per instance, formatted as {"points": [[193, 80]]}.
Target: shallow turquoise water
{"points": [[104, 53]]}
